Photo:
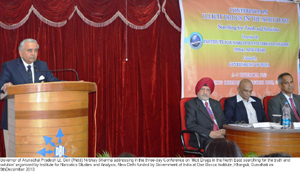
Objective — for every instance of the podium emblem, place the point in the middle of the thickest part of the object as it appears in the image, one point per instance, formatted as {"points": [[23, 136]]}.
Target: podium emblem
{"points": [[59, 151]]}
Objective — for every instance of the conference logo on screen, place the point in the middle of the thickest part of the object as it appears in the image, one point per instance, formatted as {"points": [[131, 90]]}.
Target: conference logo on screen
{"points": [[195, 40]]}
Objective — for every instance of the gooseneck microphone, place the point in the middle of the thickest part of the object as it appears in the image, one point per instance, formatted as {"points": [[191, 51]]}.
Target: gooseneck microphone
{"points": [[58, 70]]}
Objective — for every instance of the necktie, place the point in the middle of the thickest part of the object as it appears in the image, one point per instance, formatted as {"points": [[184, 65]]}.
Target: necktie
{"points": [[211, 116], [29, 73], [294, 110]]}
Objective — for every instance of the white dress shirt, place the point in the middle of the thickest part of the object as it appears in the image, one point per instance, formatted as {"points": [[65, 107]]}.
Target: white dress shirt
{"points": [[288, 99], [251, 113]]}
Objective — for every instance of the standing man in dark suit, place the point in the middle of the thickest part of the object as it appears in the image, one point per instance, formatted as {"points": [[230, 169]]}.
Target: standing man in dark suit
{"points": [[24, 70], [204, 115], [275, 105], [244, 107]]}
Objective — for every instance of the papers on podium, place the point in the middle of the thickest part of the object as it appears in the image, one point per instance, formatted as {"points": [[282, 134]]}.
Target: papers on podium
{"points": [[296, 125], [241, 125], [267, 125]]}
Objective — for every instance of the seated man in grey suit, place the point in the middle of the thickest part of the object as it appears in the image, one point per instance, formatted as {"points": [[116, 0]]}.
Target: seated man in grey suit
{"points": [[244, 107], [204, 115], [275, 105]]}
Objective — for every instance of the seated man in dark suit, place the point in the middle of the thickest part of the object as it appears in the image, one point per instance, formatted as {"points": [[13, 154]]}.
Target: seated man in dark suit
{"points": [[275, 105], [244, 107], [25, 69], [204, 115]]}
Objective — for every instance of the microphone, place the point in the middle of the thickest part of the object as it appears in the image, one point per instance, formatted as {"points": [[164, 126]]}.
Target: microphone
{"points": [[58, 70]]}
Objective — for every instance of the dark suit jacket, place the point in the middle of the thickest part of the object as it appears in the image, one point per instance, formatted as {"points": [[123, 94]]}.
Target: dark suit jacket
{"points": [[198, 119], [236, 111], [14, 71], [276, 104]]}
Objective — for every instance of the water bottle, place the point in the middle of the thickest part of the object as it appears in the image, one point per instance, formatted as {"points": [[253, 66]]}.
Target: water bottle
{"points": [[286, 116]]}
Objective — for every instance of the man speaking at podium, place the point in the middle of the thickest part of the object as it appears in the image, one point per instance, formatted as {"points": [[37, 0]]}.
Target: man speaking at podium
{"points": [[22, 71]]}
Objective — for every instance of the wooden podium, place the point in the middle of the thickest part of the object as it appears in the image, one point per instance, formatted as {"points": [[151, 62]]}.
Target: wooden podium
{"points": [[48, 119]]}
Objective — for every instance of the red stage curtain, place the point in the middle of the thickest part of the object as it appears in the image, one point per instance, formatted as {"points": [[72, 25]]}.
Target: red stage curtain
{"points": [[130, 49]]}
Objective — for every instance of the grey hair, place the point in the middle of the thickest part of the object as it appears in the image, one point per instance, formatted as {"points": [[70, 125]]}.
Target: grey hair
{"points": [[279, 79], [21, 46]]}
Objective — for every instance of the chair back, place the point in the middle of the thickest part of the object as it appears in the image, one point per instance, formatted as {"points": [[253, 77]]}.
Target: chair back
{"points": [[182, 120], [222, 101], [265, 102]]}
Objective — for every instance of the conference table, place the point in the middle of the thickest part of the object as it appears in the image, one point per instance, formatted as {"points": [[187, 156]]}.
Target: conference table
{"points": [[264, 141]]}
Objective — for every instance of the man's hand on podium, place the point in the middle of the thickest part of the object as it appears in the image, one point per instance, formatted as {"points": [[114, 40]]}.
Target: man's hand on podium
{"points": [[6, 86]]}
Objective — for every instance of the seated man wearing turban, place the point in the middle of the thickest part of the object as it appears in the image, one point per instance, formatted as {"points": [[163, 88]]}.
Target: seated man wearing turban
{"points": [[204, 115]]}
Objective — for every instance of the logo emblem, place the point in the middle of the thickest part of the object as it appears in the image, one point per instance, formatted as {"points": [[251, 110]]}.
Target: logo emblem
{"points": [[196, 40], [59, 151]]}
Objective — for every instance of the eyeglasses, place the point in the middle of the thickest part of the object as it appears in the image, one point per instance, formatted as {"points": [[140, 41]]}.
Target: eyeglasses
{"points": [[240, 122]]}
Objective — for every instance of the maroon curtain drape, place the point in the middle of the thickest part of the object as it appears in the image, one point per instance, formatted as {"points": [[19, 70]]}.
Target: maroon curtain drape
{"points": [[134, 59]]}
